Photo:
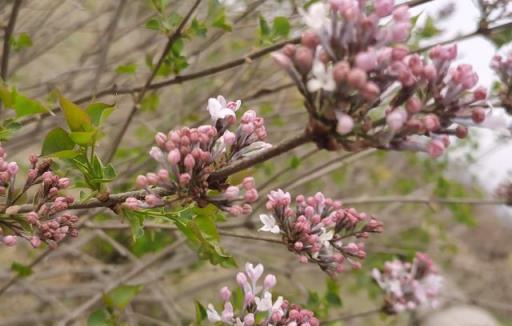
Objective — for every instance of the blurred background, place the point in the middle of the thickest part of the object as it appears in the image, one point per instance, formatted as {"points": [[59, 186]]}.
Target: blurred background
{"points": [[102, 50]]}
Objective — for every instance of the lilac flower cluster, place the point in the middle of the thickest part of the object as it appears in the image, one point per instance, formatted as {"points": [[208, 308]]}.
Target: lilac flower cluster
{"points": [[43, 224], [258, 308], [187, 157], [320, 230], [408, 286], [363, 87]]}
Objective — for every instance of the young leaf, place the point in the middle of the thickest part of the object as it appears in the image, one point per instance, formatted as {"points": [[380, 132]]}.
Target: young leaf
{"points": [[21, 42], [121, 296], [99, 112], [25, 106], [153, 24], [77, 119], [100, 317], [21, 270], [83, 138], [281, 26], [264, 28], [128, 69], [57, 140], [200, 312], [198, 28]]}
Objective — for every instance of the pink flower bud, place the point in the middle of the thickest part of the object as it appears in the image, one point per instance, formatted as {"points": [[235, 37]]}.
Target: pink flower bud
{"points": [[281, 59], [185, 179], [396, 119], [229, 137], [248, 183], [478, 115], [461, 132], [384, 7], [435, 148], [141, 181], [131, 203], [12, 168], [371, 91], [270, 281], [241, 279], [156, 154], [174, 157], [480, 94], [366, 60], [298, 246], [357, 78], [310, 39], [251, 195], [231, 193], [64, 182], [163, 174], [400, 31], [289, 50], [9, 240], [413, 105], [249, 319], [401, 13], [160, 139], [431, 122], [152, 200], [340, 71], [33, 159], [189, 162], [430, 72], [32, 217], [35, 241], [225, 294], [304, 59]]}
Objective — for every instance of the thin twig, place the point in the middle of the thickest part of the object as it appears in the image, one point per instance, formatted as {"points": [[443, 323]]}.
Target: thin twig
{"points": [[170, 42], [7, 39]]}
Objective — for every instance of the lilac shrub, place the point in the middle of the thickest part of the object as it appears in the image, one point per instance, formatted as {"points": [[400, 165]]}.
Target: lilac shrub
{"points": [[364, 87], [258, 307], [408, 286], [320, 230], [187, 157]]}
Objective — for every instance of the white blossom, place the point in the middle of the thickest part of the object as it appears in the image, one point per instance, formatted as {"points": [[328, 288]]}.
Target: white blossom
{"points": [[269, 224], [322, 78]]}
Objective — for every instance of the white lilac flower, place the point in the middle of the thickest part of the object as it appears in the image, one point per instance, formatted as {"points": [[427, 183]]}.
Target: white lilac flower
{"points": [[322, 78], [220, 109], [212, 314], [317, 17], [269, 224]]}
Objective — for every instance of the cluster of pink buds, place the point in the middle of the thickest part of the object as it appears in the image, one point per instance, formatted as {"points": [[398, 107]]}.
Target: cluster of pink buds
{"points": [[258, 308], [408, 286], [187, 157], [43, 223], [502, 65], [320, 230], [8, 171], [363, 87]]}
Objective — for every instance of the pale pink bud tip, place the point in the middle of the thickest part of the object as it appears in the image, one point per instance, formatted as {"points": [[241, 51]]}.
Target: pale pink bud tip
{"points": [[225, 293], [282, 60], [270, 281], [345, 124], [9, 240]]}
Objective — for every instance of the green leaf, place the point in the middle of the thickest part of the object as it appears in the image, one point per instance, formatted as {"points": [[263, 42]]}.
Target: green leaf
{"points": [[99, 112], [332, 294], [22, 41], [200, 312], [150, 102], [57, 140], [121, 296], [198, 226], [127, 69], [220, 22], [429, 29], [294, 162], [153, 24], [198, 28], [83, 138], [264, 27], [25, 106], [501, 38], [100, 317], [281, 26], [21, 270], [76, 117], [6, 96], [136, 221]]}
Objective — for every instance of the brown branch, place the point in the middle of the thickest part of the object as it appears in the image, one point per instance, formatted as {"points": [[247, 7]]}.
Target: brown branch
{"points": [[4, 72], [274, 151], [170, 42]]}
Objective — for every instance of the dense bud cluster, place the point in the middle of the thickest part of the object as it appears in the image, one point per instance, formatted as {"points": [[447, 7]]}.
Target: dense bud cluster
{"points": [[258, 308], [320, 230], [187, 157], [408, 286], [44, 223], [364, 87]]}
